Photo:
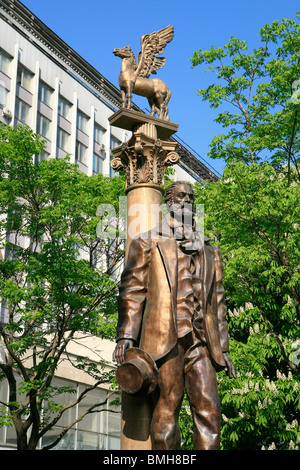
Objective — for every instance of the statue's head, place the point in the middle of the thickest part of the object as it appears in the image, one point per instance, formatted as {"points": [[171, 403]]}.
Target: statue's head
{"points": [[179, 198], [124, 52]]}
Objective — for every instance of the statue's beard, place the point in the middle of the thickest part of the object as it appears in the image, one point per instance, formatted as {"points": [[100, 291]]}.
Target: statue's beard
{"points": [[183, 213]]}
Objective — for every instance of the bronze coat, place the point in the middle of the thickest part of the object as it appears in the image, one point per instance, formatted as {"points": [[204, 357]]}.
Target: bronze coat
{"points": [[148, 292]]}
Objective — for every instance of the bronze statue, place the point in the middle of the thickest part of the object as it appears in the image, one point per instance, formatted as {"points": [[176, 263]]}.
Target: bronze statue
{"points": [[172, 332], [134, 76]]}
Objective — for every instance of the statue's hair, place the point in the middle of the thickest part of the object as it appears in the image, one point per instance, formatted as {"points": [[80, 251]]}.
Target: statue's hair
{"points": [[170, 191]]}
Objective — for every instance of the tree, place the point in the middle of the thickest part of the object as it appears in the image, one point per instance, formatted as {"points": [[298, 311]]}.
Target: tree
{"points": [[56, 278], [247, 215], [261, 88], [252, 213]]}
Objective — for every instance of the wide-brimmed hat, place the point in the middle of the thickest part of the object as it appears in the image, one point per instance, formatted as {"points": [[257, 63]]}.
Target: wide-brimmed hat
{"points": [[138, 375]]}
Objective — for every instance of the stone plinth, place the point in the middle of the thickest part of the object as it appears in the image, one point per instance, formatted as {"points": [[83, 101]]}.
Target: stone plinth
{"points": [[128, 119]]}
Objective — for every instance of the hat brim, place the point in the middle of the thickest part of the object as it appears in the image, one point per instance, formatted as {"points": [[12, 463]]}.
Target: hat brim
{"points": [[125, 373], [137, 352]]}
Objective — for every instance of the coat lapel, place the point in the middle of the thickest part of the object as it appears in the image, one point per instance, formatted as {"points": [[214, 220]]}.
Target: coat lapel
{"points": [[168, 251]]}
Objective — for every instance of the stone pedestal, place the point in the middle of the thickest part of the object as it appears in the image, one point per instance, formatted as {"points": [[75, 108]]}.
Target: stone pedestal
{"points": [[143, 159]]}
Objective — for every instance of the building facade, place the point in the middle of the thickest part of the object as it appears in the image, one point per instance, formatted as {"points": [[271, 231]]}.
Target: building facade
{"points": [[45, 84]]}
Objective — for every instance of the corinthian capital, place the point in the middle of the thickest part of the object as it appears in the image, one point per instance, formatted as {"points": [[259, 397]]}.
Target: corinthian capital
{"points": [[145, 157], [144, 160]]}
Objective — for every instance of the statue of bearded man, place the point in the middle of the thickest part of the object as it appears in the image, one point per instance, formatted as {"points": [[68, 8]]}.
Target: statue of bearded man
{"points": [[171, 305]]}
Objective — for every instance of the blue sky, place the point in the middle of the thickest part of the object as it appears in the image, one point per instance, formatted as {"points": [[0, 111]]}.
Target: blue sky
{"points": [[93, 28]]}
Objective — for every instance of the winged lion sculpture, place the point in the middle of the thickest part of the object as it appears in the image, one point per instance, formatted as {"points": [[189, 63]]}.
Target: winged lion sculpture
{"points": [[134, 75]]}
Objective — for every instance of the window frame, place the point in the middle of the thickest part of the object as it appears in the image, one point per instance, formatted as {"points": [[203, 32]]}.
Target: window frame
{"points": [[24, 77], [79, 156], [40, 122], [45, 93], [6, 68], [62, 138], [99, 160], [3, 92], [66, 105], [24, 106], [82, 121]]}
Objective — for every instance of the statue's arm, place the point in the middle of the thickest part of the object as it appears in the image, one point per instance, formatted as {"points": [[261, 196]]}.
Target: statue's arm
{"points": [[132, 295], [221, 304], [222, 309], [120, 350]]}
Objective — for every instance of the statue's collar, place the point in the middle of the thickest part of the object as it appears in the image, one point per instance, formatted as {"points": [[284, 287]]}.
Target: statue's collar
{"points": [[168, 224]]}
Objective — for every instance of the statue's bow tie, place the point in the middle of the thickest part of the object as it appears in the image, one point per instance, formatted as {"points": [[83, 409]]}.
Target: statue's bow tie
{"points": [[189, 240]]}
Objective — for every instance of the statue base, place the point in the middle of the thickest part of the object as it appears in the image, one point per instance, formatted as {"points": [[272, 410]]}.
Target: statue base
{"points": [[129, 119]]}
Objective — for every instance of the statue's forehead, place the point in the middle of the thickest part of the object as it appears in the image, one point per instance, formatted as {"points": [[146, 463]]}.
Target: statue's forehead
{"points": [[183, 187]]}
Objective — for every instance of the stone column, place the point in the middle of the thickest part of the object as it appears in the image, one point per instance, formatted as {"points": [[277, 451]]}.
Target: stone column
{"points": [[143, 159]]}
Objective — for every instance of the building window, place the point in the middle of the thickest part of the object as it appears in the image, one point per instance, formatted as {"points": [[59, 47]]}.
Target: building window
{"points": [[43, 126], [114, 142], [98, 134], [81, 153], [40, 157], [62, 139], [24, 78], [4, 63], [112, 172], [22, 111], [99, 430], [3, 96], [45, 93], [64, 108], [4, 318], [111, 428], [97, 164], [82, 121]]}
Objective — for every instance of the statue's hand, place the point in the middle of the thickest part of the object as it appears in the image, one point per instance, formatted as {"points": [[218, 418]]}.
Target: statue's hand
{"points": [[230, 370], [120, 349]]}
